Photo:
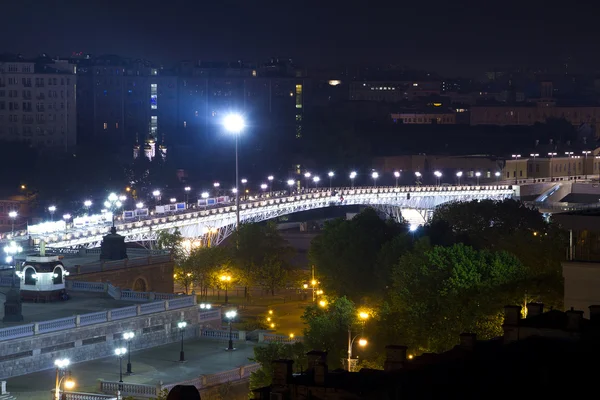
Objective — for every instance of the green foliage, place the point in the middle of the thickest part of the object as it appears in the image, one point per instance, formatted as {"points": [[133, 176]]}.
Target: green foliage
{"points": [[327, 328], [265, 355], [162, 395], [439, 292], [206, 265], [346, 254], [173, 242]]}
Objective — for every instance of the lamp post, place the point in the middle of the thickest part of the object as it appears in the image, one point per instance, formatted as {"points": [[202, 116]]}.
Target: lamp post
{"points": [[61, 374], [330, 174], [413, 229], [290, 183], [226, 279], [52, 209], [352, 177], [230, 315], [478, 175], [534, 155], [244, 181], [139, 206], [128, 336], [234, 123], [569, 155], [306, 177], [187, 193], [216, 185], [66, 217], [13, 215], [397, 176], [113, 203], [264, 187], [11, 251], [418, 176], [270, 179], [551, 171], [87, 204], [363, 316], [516, 157], [316, 180], [585, 153], [458, 176], [438, 177], [205, 195], [156, 195], [375, 175], [181, 325], [120, 352], [497, 174]]}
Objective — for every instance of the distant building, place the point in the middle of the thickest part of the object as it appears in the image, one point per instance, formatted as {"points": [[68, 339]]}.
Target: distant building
{"points": [[20, 204], [38, 102], [393, 91], [425, 117]]}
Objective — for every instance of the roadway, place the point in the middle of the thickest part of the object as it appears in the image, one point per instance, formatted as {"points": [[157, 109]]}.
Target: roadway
{"points": [[150, 366]]}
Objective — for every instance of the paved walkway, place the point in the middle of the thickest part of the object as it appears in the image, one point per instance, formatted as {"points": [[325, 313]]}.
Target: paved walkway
{"points": [[149, 367]]}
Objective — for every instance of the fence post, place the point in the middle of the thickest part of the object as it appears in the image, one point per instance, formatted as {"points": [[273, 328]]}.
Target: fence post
{"points": [[77, 320], [36, 328], [138, 309], [166, 305], [109, 315]]}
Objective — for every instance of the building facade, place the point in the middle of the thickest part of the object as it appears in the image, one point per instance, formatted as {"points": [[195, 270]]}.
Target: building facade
{"points": [[38, 102], [427, 118]]}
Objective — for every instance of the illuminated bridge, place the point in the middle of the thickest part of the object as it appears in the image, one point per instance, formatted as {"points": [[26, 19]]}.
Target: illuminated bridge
{"points": [[214, 224]]}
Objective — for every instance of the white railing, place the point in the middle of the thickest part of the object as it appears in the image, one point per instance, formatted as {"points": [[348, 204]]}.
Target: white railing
{"points": [[134, 296], [115, 292], [124, 312], [93, 318], [57, 324], [209, 315], [87, 286], [84, 396], [264, 337], [223, 334], [201, 382], [15, 332], [150, 308], [183, 301]]}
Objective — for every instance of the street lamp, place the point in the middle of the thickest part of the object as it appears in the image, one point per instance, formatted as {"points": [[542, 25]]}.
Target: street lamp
{"points": [[362, 342], [352, 176], [516, 157], [375, 175], [187, 192], [173, 200], [13, 215], [330, 174], [128, 336], [459, 174], [478, 175], [551, 171], [11, 251], [396, 175], [418, 176], [181, 325], [226, 279], [263, 186], [139, 206], [316, 180], [52, 209], [113, 203], [66, 217], [412, 229], [270, 179], [585, 153], [156, 195], [230, 315], [306, 176], [61, 374], [120, 352], [216, 185], [234, 123], [244, 181], [438, 177], [290, 183], [497, 175], [87, 204], [205, 195]]}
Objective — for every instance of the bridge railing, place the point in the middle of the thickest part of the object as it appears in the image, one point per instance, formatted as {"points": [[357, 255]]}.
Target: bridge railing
{"points": [[83, 396], [201, 382], [38, 328], [115, 292], [265, 337], [223, 334]]}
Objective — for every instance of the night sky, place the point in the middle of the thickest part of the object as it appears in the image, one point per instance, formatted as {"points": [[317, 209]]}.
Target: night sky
{"points": [[449, 37]]}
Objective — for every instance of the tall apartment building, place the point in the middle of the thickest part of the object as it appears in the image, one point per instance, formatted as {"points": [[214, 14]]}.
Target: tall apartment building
{"points": [[38, 102]]}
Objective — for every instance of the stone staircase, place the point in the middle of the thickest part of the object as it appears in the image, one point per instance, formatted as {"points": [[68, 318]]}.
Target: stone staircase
{"points": [[4, 395]]}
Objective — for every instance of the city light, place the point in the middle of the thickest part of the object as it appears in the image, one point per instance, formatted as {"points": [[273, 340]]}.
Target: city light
{"points": [[87, 203], [363, 315], [120, 351], [459, 174], [362, 342], [216, 184], [204, 195], [330, 174], [62, 363], [307, 175], [290, 182], [52, 209], [270, 177], [234, 123], [139, 205], [322, 303], [352, 175], [263, 186], [413, 228], [156, 193], [396, 174]]}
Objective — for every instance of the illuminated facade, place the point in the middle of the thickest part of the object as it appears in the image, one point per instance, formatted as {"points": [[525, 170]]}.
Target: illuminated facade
{"points": [[392, 91], [441, 118]]}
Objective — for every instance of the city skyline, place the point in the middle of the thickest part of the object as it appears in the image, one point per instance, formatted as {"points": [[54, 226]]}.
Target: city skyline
{"points": [[450, 40]]}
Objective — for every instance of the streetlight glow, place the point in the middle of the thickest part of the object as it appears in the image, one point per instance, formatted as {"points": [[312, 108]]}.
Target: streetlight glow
{"points": [[375, 175], [290, 182], [156, 193], [316, 179], [12, 214], [396, 174], [362, 342], [330, 174], [307, 175], [62, 363], [234, 123], [459, 174], [120, 351], [52, 209], [270, 177], [263, 186]]}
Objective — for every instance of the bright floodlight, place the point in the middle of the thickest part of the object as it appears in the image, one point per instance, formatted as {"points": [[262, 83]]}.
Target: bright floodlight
{"points": [[67, 217], [362, 342], [62, 362], [234, 123], [139, 205], [290, 182], [413, 228], [120, 351], [128, 335], [437, 173], [263, 186], [231, 314], [107, 204], [118, 204], [156, 193], [418, 174], [87, 203], [307, 175], [187, 188], [181, 324], [52, 208], [234, 190], [270, 177], [113, 197], [352, 174], [397, 174], [330, 174], [375, 175], [459, 174], [12, 214], [316, 179], [204, 195], [216, 184], [173, 200], [122, 197], [244, 181], [497, 173], [478, 174]]}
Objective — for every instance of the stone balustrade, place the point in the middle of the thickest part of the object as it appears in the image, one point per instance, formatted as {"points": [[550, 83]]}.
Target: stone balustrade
{"points": [[265, 337]]}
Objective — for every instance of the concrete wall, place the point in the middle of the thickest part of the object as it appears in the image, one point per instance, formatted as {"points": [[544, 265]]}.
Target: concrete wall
{"points": [[582, 285], [26, 355], [156, 276]]}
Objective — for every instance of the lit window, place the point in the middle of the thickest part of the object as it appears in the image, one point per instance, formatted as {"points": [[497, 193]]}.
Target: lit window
{"points": [[254, 73], [105, 125], [195, 113], [184, 124]]}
